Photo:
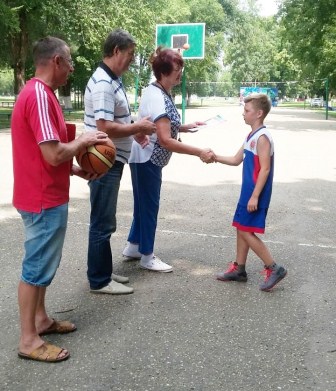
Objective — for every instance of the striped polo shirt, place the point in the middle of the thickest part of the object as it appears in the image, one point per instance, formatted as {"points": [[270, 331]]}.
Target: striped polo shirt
{"points": [[105, 98]]}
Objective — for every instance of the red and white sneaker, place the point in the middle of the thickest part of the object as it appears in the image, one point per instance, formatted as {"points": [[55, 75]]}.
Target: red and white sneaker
{"points": [[232, 274]]}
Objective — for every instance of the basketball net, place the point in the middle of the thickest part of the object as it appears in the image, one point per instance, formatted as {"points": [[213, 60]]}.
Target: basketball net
{"points": [[179, 50]]}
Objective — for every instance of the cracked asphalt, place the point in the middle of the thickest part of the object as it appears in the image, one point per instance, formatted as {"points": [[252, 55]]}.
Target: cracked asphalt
{"points": [[185, 330]]}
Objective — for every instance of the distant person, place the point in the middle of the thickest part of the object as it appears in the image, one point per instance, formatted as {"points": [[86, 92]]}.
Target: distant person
{"points": [[147, 163], [257, 155], [42, 164], [107, 109]]}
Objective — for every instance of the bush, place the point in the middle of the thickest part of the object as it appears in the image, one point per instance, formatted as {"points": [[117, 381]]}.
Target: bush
{"points": [[6, 82]]}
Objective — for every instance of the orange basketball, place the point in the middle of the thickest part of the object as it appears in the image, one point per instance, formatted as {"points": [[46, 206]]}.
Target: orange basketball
{"points": [[97, 159]]}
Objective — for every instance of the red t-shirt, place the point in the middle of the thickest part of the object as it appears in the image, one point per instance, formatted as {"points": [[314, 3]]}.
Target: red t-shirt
{"points": [[37, 118]]}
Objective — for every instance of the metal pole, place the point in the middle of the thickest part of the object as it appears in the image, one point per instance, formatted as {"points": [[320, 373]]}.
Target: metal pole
{"points": [[183, 95], [136, 93], [327, 96]]}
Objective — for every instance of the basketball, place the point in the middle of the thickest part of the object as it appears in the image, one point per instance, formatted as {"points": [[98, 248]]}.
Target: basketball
{"points": [[97, 159]]}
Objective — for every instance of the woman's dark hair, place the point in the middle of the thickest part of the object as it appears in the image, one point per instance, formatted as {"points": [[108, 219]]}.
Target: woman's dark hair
{"points": [[163, 61]]}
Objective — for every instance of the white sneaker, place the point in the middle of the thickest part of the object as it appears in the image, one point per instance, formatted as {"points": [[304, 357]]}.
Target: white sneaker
{"points": [[114, 288], [121, 279], [156, 265], [130, 254]]}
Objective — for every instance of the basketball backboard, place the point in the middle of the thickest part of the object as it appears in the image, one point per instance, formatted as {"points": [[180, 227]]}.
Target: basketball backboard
{"points": [[174, 36]]}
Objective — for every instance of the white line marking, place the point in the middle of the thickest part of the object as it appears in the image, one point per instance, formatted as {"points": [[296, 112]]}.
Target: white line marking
{"points": [[228, 237]]}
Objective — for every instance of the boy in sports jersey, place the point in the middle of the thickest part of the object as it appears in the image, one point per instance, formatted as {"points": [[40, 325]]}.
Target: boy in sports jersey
{"points": [[257, 155]]}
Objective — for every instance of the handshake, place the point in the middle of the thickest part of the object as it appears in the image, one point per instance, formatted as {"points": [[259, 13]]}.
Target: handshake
{"points": [[208, 156]]}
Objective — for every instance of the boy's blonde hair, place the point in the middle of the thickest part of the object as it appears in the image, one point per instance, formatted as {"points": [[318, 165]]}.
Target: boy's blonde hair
{"points": [[260, 102]]}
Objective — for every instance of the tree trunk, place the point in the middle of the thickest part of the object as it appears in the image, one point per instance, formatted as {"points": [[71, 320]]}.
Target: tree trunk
{"points": [[19, 46], [188, 97], [64, 96]]}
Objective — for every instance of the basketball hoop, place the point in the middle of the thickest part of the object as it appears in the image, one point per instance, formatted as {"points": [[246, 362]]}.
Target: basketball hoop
{"points": [[187, 39], [180, 50]]}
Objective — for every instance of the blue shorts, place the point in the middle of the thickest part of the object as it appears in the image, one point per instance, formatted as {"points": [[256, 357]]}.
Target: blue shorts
{"points": [[250, 221], [45, 233]]}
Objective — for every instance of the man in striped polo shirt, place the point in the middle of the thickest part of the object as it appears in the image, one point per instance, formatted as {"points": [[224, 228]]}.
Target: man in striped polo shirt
{"points": [[107, 109]]}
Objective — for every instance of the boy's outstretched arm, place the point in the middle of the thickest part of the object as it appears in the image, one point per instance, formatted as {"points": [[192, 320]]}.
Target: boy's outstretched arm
{"points": [[231, 160], [263, 150]]}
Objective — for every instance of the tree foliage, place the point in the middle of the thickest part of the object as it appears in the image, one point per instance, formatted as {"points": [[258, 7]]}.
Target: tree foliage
{"points": [[310, 27], [251, 49], [298, 44]]}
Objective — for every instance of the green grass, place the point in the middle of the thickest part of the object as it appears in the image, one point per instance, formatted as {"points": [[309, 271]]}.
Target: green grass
{"points": [[77, 115], [73, 115], [301, 105], [5, 113], [7, 98]]}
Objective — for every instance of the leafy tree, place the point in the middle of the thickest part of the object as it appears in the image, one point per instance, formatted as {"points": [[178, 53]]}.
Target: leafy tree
{"points": [[251, 48], [309, 26], [79, 22], [27, 21], [6, 82], [212, 14], [298, 44], [14, 46]]}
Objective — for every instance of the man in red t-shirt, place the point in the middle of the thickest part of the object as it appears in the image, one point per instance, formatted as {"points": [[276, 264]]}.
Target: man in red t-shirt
{"points": [[43, 149]]}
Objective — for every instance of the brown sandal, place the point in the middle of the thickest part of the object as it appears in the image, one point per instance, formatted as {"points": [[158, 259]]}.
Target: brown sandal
{"points": [[46, 352], [59, 327]]}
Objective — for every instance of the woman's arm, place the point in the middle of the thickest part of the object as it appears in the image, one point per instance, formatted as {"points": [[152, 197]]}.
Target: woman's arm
{"points": [[163, 131]]}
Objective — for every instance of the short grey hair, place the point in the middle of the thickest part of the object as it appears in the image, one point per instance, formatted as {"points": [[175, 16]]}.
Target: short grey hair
{"points": [[117, 38], [46, 48]]}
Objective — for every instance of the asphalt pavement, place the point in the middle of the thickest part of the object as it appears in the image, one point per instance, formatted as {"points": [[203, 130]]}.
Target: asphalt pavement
{"points": [[185, 330]]}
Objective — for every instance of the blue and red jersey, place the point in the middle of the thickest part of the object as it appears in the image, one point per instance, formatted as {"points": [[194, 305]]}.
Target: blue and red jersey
{"points": [[251, 169]]}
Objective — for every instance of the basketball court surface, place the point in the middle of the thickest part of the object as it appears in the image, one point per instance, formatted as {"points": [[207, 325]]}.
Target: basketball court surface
{"points": [[185, 330]]}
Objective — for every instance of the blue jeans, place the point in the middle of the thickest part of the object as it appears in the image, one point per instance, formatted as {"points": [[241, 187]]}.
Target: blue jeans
{"points": [[103, 222], [45, 233], [146, 181]]}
